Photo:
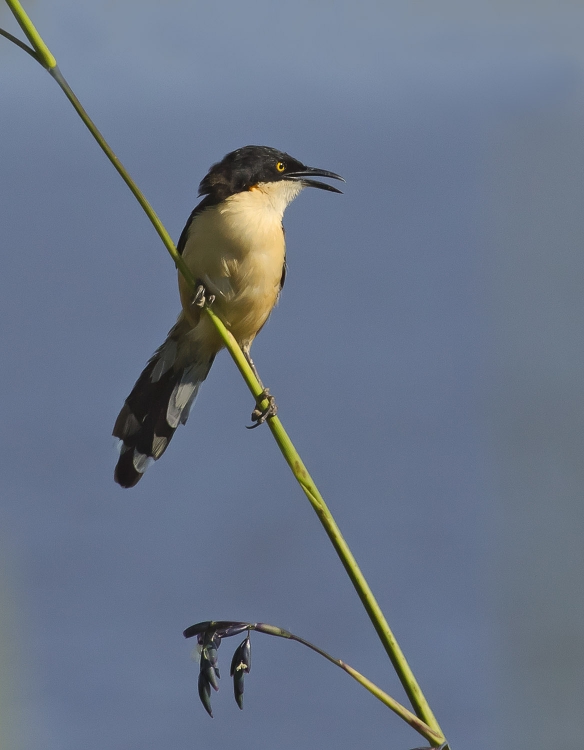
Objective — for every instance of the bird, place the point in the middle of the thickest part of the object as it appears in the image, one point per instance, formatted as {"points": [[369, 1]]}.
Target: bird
{"points": [[234, 245]]}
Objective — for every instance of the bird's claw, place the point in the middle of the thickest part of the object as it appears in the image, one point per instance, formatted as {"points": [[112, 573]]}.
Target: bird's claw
{"points": [[201, 297], [259, 415]]}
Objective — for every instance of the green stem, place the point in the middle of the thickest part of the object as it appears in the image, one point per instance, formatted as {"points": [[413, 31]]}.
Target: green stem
{"points": [[148, 210], [380, 694], [45, 57], [299, 470], [286, 446]]}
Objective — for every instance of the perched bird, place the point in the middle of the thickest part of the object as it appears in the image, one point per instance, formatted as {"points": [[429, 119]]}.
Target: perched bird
{"points": [[234, 245]]}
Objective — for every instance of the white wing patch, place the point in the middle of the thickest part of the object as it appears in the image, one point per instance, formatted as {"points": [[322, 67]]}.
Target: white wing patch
{"points": [[182, 396], [166, 359], [141, 462], [158, 446]]}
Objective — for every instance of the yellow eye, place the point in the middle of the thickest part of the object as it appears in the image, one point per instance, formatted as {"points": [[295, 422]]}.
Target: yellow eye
{"points": [[280, 166]]}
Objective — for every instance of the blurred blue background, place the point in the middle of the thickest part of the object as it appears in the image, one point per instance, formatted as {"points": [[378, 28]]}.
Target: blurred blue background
{"points": [[426, 357]]}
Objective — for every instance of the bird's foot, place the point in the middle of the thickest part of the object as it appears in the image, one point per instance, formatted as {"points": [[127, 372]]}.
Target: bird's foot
{"points": [[201, 297], [259, 415]]}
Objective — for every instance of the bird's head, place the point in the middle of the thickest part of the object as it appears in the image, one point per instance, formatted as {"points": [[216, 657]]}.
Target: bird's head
{"points": [[251, 166]]}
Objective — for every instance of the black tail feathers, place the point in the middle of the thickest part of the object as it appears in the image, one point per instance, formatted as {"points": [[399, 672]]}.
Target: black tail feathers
{"points": [[158, 403]]}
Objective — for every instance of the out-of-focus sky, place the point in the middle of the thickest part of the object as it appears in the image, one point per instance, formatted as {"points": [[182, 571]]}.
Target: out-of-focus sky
{"points": [[426, 357]]}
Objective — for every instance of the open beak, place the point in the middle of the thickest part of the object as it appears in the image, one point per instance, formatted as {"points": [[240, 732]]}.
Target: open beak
{"points": [[302, 174]]}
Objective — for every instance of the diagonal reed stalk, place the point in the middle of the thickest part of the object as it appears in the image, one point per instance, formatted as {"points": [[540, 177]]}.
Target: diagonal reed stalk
{"points": [[43, 55]]}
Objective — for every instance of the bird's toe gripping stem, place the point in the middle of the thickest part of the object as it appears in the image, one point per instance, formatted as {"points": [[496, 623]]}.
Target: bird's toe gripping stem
{"points": [[201, 298], [259, 414]]}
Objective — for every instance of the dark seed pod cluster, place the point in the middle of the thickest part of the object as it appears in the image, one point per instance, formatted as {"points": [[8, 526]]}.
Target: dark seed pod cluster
{"points": [[209, 635]]}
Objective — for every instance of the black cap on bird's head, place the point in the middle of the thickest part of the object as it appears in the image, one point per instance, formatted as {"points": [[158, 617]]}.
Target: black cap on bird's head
{"points": [[248, 166]]}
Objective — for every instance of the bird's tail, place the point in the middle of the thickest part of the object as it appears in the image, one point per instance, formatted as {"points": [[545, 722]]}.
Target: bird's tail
{"points": [[158, 403]]}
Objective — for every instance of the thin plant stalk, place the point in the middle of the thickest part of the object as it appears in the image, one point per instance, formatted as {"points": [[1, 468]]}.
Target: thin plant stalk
{"points": [[380, 694], [311, 491], [43, 55]]}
